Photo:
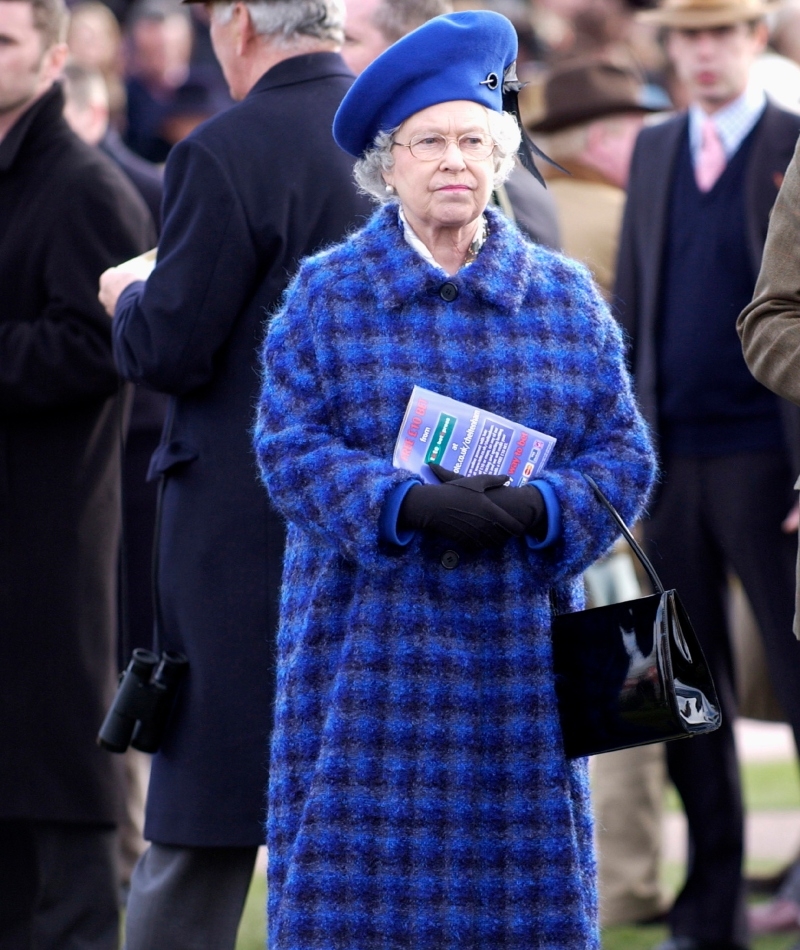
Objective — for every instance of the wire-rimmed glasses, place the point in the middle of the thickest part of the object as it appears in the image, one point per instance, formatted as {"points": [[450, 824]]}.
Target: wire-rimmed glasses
{"points": [[430, 146]]}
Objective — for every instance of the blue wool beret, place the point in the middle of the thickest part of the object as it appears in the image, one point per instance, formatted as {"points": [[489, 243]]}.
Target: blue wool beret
{"points": [[456, 56]]}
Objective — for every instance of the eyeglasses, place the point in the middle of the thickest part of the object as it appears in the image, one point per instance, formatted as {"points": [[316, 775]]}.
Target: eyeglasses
{"points": [[428, 146]]}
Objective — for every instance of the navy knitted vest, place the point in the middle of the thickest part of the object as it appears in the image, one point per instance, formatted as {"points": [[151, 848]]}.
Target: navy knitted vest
{"points": [[709, 403]]}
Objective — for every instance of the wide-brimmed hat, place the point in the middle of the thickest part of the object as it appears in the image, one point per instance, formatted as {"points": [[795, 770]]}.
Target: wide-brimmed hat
{"points": [[699, 14], [456, 56], [588, 89]]}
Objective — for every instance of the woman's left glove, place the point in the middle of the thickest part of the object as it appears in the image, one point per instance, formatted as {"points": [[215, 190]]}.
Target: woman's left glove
{"points": [[525, 504]]}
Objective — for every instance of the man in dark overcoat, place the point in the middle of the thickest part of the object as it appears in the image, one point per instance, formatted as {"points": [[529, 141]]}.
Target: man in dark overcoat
{"points": [[67, 214], [700, 191], [246, 196]]}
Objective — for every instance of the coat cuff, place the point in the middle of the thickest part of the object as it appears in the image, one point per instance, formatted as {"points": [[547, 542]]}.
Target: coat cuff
{"points": [[387, 523], [553, 509], [130, 294]]}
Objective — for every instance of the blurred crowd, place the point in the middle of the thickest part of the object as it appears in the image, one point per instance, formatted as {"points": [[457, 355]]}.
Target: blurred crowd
{"points": [[160, 78]]}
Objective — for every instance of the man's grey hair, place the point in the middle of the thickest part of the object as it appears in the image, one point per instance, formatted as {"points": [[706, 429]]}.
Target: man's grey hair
{"points": [[395, 18], [289, 20], [368, 170]]}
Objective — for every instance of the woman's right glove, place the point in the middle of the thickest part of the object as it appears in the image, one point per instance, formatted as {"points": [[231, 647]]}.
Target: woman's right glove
{"points": [[460, 509]]}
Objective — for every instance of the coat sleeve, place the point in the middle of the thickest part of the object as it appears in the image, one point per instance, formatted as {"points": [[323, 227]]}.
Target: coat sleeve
{"points": [[608, 439], [769, 326], [314, 478], [63, 357], [168, 333]]}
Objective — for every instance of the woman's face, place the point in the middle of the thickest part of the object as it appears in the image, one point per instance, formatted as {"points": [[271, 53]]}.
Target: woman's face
{"points": [[448, 192]]}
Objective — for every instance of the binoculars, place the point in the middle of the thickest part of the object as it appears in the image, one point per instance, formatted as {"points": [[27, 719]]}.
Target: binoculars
{"points": [[144, 699]]}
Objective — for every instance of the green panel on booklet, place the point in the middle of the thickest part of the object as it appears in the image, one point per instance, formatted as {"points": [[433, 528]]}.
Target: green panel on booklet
{"points": [[441, 436]]}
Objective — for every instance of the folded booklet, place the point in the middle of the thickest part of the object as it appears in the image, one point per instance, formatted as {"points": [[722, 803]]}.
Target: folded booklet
{"points": [[142, 265], [467, 441]]}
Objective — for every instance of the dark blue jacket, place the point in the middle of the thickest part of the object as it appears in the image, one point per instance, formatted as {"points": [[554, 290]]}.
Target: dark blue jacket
{"points": [[246, 196]]}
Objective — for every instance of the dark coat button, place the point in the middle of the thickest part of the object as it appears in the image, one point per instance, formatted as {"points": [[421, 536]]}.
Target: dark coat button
{"points": [[449, 560], [448, 292]]}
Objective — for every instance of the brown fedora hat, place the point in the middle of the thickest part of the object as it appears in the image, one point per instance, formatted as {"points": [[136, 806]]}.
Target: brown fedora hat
{"points": [[583, 90], [699, 14]]}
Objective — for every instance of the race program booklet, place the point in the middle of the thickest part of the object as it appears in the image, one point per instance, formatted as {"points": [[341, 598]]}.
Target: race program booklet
{"points": [[467, 440], [142, 265]]}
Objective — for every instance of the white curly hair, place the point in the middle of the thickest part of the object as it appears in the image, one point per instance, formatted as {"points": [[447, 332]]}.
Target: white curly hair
{"points": [[378, 158]]}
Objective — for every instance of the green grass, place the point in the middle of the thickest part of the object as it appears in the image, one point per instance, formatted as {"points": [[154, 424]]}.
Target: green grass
{"points": [[252, 928], [767, 786], [645, 938]]}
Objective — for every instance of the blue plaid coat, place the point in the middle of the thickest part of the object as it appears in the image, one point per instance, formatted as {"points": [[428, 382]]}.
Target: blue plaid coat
{"points": [[419, 795]]}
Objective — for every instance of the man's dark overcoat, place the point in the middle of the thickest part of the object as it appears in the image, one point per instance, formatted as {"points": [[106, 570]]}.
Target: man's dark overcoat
{"points": [[246, 196], [66, 214], [638, 281]]}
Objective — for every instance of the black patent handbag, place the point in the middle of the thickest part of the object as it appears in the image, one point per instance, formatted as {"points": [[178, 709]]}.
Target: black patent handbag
{"points": [[632, 673]]}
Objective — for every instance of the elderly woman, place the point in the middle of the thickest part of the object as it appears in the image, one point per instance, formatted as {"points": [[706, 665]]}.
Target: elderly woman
{"points": [[420, 798]]}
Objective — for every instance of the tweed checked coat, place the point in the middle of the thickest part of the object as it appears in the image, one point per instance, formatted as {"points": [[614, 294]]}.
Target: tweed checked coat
{"points": [[419, 794]]}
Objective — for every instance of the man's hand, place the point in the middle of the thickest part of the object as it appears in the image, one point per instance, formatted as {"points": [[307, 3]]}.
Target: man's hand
{"points": [[791, 522], [112, 283]]}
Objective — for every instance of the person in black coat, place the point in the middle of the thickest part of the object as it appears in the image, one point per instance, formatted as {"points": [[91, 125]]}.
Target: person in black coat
{"points": [[246, 196], [700, 191], [67, 214]]}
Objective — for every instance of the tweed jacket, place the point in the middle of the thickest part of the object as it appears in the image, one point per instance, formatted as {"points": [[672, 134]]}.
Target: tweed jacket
{"points": [[770, 326], [638, 281], [419, 793]]}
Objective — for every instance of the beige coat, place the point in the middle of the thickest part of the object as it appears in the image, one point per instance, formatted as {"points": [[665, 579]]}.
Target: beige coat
{"points": [[769, 326], [590, 217]]}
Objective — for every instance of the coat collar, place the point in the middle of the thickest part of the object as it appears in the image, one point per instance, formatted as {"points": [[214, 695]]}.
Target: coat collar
{"points": [[498, 278], [308, 66], [41, 115]]}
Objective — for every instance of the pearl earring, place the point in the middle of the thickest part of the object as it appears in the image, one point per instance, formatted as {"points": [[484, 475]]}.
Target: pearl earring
{"points": [[389, 190]]}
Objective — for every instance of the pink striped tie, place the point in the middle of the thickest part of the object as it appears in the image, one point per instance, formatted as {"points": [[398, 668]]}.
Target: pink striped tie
{"points": [[711, 161]]}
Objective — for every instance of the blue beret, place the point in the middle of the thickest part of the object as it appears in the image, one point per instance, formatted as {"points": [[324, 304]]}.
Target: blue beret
{"points": [[456, 56]]}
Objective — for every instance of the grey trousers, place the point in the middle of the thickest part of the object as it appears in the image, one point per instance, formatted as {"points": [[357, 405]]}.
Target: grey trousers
{"points": [[58, 887], [188, 898]]}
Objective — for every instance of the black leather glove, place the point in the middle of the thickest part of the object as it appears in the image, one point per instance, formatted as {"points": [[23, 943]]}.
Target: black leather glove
{"points": [[460, 509], [525, 504]]}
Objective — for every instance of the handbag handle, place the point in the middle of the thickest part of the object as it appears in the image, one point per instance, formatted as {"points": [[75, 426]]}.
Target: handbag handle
{"points": [[635, 546]]}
